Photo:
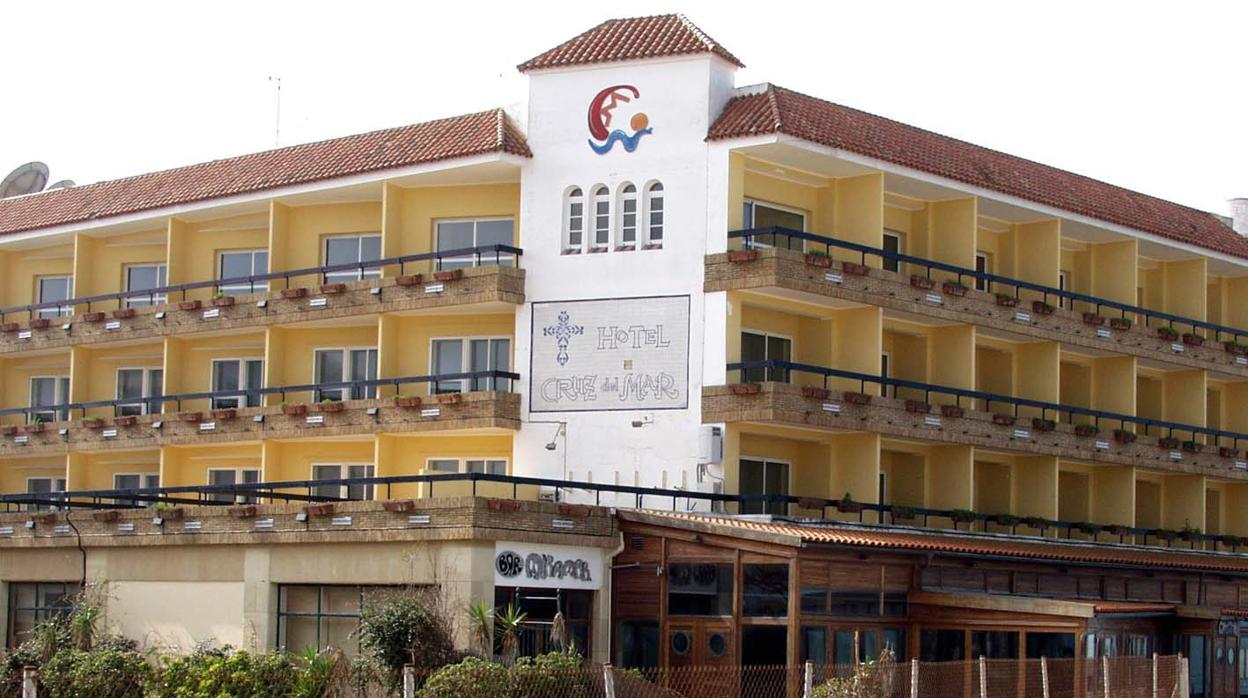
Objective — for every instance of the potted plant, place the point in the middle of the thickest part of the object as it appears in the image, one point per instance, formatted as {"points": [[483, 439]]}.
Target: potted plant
{"points": [[9, 327], [811, 503], [847, 505], [450, 274], [294, 410], [918, 406], [1043, 425], [1235, 348], [328, 405], [1168, 333], [192, 417], [1117, 530], [818, 258], [1002, 419], [190, 306], [856, 398], [740, 388], [333, 289], [1189, 534], [855, 269], [1005, 300], [322, 509], [398, 506], [246, 511], [93, 422], [815, 392], [40, 323], [225, 415], [220, 300], [456, 398], [293, 294], [923, 283], [1037, 522], [1009, 520], [1086, 528], [1168, 443], [1192, 339], [1228, 452], [8, 430], [47, 517], [1124, 436], [1192, 446], [406, 401], [1042, 308], [903, 513], [1232, 541], [962, 516], [956, 289], [952, 411], [34, 427], [123, 313], [106, 516], [125, 421], [742, 256], [168, 512], [1093, 319], [1164, 534], [580, 511], [1087, 430], [93, 316], [408, 280], [1120, 323]]}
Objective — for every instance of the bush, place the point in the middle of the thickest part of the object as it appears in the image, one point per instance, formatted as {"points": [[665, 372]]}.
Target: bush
{"points": [[95, 674], [471, 678], [552, 674], [221, 673], [403, 629]]}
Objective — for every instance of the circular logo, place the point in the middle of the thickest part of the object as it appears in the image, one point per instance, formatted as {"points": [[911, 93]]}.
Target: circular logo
{"points": [[508, 564]]}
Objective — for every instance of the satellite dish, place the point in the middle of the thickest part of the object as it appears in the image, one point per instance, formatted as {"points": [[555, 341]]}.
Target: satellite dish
{"points": [[26, 179], [63, 184]]}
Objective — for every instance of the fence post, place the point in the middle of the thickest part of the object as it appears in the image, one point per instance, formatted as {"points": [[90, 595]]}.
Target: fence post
{"points": [[409, 681], [30, 685], [1044, 676], [1154, 693], [983, 677], [1105, 674], [808, 679], [1185, 686], [914, 678], [608, 681]]}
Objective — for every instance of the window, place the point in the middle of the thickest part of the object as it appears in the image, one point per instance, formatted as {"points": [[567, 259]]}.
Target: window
{"points": [[766, 590], [242, 375], [31, 603], [47, 392], [983, 265], [699, 589], [43, 486], [759, 346], [892, 244], [492, 466], [343, 472], [135, 481], [321, 616], [814, 644], [144, 277], [540, 607], [628, 216], [1063, 284], [332, 366], [53, 289], [994, 644], [574, 220], [602, 218], [942, 645], [1051, 645], [139, 390], [637, 644], [352, 249], [760, 477], [469, 234], [759, 215], [884, 373], [239, 264], [233, 476], [654, 214], [448, 357]]}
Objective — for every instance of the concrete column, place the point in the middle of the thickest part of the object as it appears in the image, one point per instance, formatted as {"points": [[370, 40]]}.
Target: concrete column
{"points": [[259, 599], [274, 361], [279, 222], [391, 226], [86, 250]]}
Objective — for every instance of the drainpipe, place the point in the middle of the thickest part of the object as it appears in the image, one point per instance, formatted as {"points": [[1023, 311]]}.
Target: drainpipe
{"points": [[81, 550]]}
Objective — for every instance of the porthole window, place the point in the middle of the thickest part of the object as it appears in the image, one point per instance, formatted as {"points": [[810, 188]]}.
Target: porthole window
{"points": [[573, 220], [681, 643], [717, 644], [628, 216], [654, 214]]}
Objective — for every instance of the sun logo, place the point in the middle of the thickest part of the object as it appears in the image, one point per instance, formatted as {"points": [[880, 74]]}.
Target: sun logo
{"points": [[602, 137]]}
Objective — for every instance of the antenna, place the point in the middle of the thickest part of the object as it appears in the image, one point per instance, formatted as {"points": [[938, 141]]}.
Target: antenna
{"points": [[26, 179], [277, 121]]}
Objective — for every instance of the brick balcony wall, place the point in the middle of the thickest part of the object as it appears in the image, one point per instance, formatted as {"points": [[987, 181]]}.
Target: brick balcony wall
{"points": [[785, 405], [479, 410], [485, 284], [787, 269]]}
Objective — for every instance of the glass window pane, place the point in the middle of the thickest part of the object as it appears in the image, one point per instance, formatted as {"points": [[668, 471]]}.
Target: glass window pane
{"points": [[814, 645], [500, 360], [766, 591], [329, 370], [498, 232], [448, 360], [129, 383], [701, 589], [370, 248], [341, 250], [750, 479], [753, 348], [221, 477], [444, 465], [235, 265], [455, 235], [300, 633], [225, 376]]}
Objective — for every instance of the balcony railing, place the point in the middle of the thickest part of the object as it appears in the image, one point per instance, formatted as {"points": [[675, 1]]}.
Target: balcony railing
{"points": [[366, 389], [486, 254], [796, 239], [771, 368], [643, 497]]}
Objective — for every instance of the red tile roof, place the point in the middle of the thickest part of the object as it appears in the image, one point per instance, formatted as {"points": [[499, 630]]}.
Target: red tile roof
{"points": [[926, 540], [631, 39], [455, 137], [776, 110]]}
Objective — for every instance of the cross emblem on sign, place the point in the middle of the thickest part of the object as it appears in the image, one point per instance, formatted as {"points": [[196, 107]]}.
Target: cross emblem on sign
{"points": [[563, 332]]}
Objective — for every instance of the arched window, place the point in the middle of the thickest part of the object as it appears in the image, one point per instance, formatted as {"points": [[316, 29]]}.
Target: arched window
{"points": [[602, 218], [574, 220], [654, 214], [628, 216]]}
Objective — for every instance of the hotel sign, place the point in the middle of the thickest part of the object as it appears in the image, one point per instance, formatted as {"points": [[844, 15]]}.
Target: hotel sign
{"points": [[547, 566], [613, 354]]}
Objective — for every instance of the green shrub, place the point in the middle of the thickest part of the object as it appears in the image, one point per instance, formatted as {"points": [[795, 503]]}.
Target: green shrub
{"points": [[74, 673], [471, 678], [405, 628], [226, 673], [555, 673]]}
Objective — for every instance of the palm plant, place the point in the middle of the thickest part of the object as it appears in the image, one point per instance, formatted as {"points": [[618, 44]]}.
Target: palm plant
{"points": [[481, 624], [509, 623]]}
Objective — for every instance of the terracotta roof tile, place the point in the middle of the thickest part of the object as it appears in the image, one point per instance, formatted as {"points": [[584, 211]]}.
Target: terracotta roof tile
{"points": [[926, 540], [776, 110], [631, 39], [459, 136]]}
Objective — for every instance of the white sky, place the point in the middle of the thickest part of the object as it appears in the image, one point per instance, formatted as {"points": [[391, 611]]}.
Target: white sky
{"points": [[1148, 95]]}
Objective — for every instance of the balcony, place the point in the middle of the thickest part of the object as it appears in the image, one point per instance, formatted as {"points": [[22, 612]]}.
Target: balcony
{"points": [[813, 267], [282, 297], [831, 399], [373, 407]]}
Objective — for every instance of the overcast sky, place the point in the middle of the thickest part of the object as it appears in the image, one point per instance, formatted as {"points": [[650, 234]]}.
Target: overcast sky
{"points": [[1148, 95]]}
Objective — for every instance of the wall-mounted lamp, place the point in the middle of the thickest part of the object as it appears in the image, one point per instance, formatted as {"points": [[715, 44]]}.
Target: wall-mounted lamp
{"points": [[561, 431], [262, 304], [258, 418], [158, 424], [160, 315], [639, 423], [376, 290]]}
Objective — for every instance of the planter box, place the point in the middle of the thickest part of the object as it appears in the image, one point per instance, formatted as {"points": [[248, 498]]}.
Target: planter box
{"points": [[1116, 530], [127, 421], [333, 289], [1005, 520], [1007, 301], [326, 509], [856, 398], [223, 302], [904, 514], [40, 323], [855, 269], [1087, 430], [398, 506], [294, 410], [1193, 340], [106, 516], [451, 274], [10, 327], [1043, 424], [1093, 319], [580, 511], [1005, 420], [1120, 323], [815, 392], [331, 406], [1123, 436], [294, 294], [190, 306], [1162, 534], [952, 411], [93, 316], [1193, 446], [45, 518], [951, 288], [818, 260], [123, 313], [408, 402], [192, 417], [34, 428], [1228, 452], [8, 430], [745, 388], [1167, 334], [918, 406], [506, 505], [1042, 308], [741, 256], [93, 423], [409, 280], [811, 503], [922, 282], [243, 512], [1235, 348], [962, 516], [1169, 443], [171, 514], [450, 398], [224, 415], [849, 507]]}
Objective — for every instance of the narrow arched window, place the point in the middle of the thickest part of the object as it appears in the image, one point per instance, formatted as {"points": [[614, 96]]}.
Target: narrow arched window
{"points": [[602, 218], [654, 214], [628, 216], [574, 220]]}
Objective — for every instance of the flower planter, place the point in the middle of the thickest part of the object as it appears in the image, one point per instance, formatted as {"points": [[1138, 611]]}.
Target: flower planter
{"points": [[1193, 446], [243, 512], [9, 327], [1120, 323], [40, 323], [8, 430], [331, 406], [951, 288], [505, 505], [407, 402], [34, 428], [398, 506], [901, 513], [742, 256], [294, 294], [1036, 522], [1193, 340], [848, 507], [580, 511], [1043, 425], [856, 398], [1087, 430], [815, 392], [1162, 534], [223, 302], [451, 274], [1189, 536], [333, 289], [1093, 319], [93, 423], [1167, 334], [855, 269], [326, 509], [918, 406], [1005, 420], [962, 516], [106, 516], [746, 388], [45, 518], [818, 260], [1228, 452], [1005, 520], [127, 421], [1042, 308], [190, 306], [408, 280], [952, 411], [192, 417], [1116, 530], [1087, 529], [172, 514], [93, 316], [224, 415], [1007, 301], [294, 410], [1235, 348], [450, 398], [922, 282], [123, 313], [1123, 436], [811, 503], [1168, 443]]}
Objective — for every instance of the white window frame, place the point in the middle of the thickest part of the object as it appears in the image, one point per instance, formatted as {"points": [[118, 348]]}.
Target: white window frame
{"points": [[238, 289], [622, 227], [886, 370], [755, 203], [648, 196], [370, 392], [343, 473], [238, 472], [981, 284], [356, 274], [768, 335], [600, 238], [60, 310], [435, 387], [142, 402], [462, 463], [243, 398], [894, 265], [162, 280], [788, 485], [504, 259], [57, 483], [1063, 284], [574, 195], [62, 398]]}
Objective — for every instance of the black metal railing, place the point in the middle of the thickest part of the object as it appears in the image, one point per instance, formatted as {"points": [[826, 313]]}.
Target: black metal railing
{"points": [[772, 368], [260, 282], [990, 282], [365, 389], [642, 498]]}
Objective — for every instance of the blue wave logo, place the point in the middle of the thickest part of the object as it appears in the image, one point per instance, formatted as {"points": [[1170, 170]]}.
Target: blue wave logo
{"points": [[618, 136]]}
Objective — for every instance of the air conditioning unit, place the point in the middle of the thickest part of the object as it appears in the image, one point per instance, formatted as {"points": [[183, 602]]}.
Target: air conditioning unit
{"points": [[711, 445]]}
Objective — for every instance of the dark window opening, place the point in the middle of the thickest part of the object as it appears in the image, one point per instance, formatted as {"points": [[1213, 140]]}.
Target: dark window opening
{"points": [[540, 607], [702, 589], [766, 590]]}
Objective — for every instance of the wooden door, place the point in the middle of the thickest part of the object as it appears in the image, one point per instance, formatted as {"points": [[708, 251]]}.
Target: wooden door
{"points": [[702, 656]]}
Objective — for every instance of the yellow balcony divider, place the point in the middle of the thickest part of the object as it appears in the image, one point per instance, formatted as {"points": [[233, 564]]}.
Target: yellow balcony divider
{"points": [[1037, 252], [1184, 397], [279, 234], [388, 342], [1183, 501], [1185, 287], [857, 343], [1113, 495], [391, 226], [950, 477], [1113, 384], [274, 361], [175, 366], [1035, 486], [1115, 269], [1235, 307], [736, 191], [951, 233], [1235, 504], [853, 466], [858, 215], [86, 250], [951, 358], [1037, 374], [181, 266]]}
